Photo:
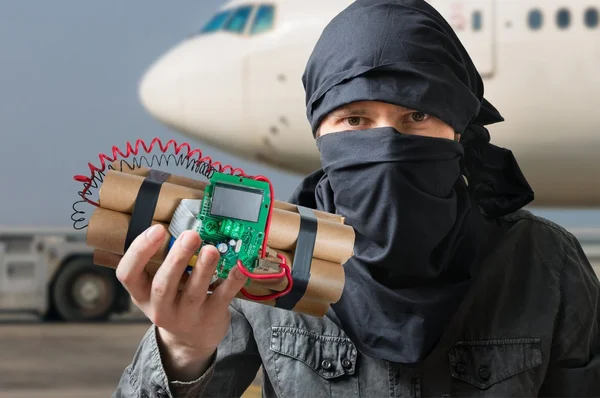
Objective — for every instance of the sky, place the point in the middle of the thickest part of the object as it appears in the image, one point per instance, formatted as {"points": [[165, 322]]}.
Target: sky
{"points": [[68, 91]]}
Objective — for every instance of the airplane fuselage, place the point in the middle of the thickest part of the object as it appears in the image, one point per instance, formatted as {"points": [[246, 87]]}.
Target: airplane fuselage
{"points": [[243, 93]]}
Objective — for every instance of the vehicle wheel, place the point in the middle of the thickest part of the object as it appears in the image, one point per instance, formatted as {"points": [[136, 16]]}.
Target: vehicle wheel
{"points": [[84, 292]]}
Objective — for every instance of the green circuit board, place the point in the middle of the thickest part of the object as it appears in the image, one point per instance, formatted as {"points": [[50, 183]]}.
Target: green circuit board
{"points": [[233, 218]]}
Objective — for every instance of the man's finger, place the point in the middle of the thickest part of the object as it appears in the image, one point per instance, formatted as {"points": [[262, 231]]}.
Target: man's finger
{"points": [[165, 284], [226, 291], [131, 269], [196, 288]]}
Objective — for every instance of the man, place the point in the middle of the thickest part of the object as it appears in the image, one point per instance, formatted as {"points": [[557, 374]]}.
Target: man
{"points": [[453, 290]]}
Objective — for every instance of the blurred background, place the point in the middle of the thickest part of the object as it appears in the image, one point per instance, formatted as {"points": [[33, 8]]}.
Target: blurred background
{"points": [[81, 77]]}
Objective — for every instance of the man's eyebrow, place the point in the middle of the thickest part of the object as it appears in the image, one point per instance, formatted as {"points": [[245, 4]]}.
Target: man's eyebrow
{"points": [[350, 111]]}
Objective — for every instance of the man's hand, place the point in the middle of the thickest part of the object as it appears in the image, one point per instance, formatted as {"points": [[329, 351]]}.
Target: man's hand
{"points": [[190, 323]]}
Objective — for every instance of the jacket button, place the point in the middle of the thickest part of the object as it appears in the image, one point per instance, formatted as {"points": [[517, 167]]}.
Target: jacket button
{"points": [[161, 393], [460, 367], [326, 364], [346, 364], [484, 373]]}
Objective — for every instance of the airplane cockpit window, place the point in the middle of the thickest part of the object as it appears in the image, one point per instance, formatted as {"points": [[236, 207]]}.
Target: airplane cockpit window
{"points": [[217, 22], [563, 18], [591, 17], [237, 22], [242, 20], [535, 19], [477, 21], [264, 19]]}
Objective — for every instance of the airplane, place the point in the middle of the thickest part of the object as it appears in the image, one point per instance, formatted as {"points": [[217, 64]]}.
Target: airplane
{"points": [[236, 84]]}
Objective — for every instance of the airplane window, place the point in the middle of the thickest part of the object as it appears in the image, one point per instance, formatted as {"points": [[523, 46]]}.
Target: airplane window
{"points": [[477, 21], [263, 20], [591, 17], [217, 22], [535, 19], [238, 20], [563, 18]]}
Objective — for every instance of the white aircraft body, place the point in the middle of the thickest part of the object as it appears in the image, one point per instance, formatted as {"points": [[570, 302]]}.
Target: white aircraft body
{"points": [[236, 84]]}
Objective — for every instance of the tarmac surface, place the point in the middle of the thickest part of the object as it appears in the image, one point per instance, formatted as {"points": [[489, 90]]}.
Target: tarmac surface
{"points": [[68, 360]]}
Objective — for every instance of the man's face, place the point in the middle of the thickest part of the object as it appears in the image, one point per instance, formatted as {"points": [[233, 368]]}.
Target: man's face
{"points": [[364, 115]]}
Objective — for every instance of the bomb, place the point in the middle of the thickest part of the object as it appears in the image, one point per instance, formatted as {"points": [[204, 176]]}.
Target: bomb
{"points": [[313, 244]]}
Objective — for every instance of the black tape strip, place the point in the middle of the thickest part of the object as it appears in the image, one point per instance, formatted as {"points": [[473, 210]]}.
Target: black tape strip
{"points": [[145, 205], [302, 259]]}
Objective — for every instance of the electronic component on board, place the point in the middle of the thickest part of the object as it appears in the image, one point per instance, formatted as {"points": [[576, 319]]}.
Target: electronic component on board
{"points": [[233, 218]]}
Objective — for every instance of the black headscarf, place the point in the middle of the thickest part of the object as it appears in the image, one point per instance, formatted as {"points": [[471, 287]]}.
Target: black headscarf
{"points": [[403, 52]]}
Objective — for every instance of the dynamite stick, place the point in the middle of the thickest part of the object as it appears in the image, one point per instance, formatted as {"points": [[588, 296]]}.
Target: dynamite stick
{"points": [[124, 167], [334, 241], [111, 260], [119, 192], [107, 230], [310, 306]]}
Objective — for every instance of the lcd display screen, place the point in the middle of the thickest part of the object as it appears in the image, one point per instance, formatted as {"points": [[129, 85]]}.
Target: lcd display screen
{"points": [[241, 203]]}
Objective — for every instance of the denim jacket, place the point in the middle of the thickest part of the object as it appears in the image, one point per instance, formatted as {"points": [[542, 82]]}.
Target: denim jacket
{"points": [[529, 326]]}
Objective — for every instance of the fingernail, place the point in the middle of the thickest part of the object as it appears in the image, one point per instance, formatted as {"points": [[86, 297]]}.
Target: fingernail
{"points": [[207, 257], [154, 233], [189, 241]]}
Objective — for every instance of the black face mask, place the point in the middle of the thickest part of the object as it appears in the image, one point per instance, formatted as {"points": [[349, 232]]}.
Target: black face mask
{"points": [[403, 194], [409, 206]]}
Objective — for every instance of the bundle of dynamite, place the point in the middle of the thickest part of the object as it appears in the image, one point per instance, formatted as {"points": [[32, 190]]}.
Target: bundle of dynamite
{"points": [[293, 256]]}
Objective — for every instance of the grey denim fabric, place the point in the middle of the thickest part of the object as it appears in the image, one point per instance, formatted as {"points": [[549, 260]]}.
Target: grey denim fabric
{"points": [[529, 326]]}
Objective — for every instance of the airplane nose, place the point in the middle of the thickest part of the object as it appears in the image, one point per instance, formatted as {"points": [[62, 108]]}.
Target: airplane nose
{"points": [[160, 91], [197, 89]]}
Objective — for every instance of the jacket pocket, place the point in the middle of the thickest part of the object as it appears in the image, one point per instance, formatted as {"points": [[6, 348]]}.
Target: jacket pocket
{"points": [[487, 364], [328, 356], [312, 364]]}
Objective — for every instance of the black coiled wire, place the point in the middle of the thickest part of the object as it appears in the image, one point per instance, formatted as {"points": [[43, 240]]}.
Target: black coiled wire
{"points": [[79, 218]]}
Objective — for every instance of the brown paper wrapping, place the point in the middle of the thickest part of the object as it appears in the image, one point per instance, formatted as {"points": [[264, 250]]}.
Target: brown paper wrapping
{"points": [[106, 259], [201, 185], [173, 179], [119, 192], [107, 231], [334, 241]]}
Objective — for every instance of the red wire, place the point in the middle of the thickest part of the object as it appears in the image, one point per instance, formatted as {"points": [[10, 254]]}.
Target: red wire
{"points": [[273, 296], [87, 181], [252, 275], [263, 251]]}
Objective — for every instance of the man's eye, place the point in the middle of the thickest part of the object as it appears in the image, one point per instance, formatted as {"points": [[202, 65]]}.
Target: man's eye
{"points": [[418, 117], [354, 121]]}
